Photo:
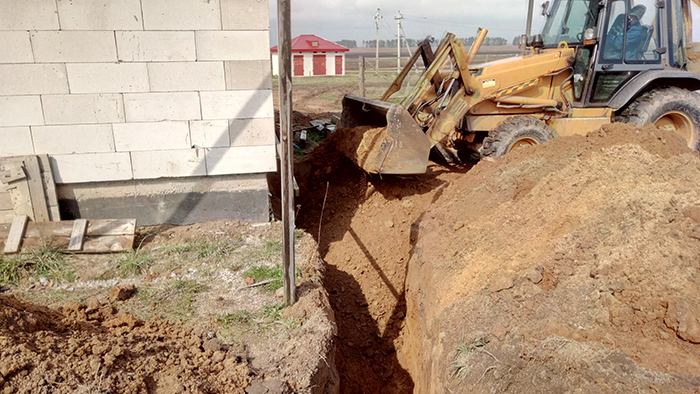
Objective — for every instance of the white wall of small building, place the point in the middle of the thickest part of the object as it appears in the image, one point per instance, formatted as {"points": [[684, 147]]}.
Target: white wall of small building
{"points": [[309, 63], [137, 89]]}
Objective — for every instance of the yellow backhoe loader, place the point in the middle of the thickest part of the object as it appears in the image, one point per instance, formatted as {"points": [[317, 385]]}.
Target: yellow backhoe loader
{"points": [[594, 63]]}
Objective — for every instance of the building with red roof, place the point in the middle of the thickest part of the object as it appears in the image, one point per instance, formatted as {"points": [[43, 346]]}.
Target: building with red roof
{"points": [[313, 56]]}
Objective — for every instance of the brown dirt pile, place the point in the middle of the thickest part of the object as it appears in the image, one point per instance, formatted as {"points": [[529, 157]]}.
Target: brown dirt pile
{"points": [[568, 266], [360, 145], [577, 261], [92, 349]]}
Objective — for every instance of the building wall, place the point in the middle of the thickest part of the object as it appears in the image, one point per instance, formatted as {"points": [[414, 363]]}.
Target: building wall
{"points": [[134, 90], [309, 63]]}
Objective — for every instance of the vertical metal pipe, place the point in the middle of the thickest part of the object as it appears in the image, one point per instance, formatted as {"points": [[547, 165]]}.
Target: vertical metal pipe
{"points": [[376, 56], [362, 76], [530, 9], [284, 38], [398, 42]]}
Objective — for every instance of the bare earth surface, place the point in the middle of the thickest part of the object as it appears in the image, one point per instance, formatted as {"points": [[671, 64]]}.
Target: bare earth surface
{"points": [[190, 326], [567, 267]]}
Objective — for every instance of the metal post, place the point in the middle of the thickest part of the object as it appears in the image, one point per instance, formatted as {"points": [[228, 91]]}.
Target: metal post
{"points": [[376, 56], [398, 42], [530, 9], [362, 76], [284, 38]]}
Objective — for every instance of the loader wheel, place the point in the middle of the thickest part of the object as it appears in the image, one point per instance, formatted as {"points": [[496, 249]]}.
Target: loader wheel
{"points": [[514, 133], [667, 108]]}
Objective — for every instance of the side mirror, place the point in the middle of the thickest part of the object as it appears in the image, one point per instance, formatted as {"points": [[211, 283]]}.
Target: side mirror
{"points": [[536, 41], [523, 41], [545, 8]]}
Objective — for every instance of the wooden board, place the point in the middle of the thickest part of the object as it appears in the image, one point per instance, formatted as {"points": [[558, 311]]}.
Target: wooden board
{"points": [[77, 235], [36, 189], [29, 182], [101, 236], [15, 235], [49, 188]]}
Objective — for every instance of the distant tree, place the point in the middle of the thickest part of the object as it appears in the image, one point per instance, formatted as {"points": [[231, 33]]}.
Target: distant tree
{"points": [[347, 43]]}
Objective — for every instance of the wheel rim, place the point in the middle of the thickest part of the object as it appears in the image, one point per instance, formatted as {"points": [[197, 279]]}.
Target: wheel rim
{"points": [[526, 141], [679, 123]]}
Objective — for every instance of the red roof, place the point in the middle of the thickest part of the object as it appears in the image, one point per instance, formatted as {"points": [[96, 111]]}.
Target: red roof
{"points": [[312, 43]]}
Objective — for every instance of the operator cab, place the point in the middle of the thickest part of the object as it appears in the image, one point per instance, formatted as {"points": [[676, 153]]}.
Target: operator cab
{"points": [[615, 41]]}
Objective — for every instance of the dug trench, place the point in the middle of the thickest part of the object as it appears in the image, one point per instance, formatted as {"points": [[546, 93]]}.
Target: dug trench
{"points": [[572, 266]]}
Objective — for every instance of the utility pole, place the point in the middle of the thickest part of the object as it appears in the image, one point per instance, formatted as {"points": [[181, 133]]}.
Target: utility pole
{"points": [[377, 18], [398, 42], [528, 29], [284, 34]]}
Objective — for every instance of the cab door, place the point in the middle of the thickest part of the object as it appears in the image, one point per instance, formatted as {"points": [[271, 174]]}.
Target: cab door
{"points": [[632, 40]]}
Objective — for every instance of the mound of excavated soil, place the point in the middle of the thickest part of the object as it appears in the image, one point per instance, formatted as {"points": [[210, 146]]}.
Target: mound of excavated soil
{"points": [[95, 349], [570, 266]]}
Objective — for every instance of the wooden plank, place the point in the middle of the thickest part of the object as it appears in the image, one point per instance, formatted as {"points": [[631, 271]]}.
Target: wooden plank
{"points": [[21, 199], [36, 189], [49, 187], [14, 239], [65, 228], [11, 171], [111, 227], [101, 244], [5, 201], [77, 235], [6, 216]]}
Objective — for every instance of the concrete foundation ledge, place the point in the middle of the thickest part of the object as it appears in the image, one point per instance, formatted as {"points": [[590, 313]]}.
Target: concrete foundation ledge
{"points": [[169, 200]]}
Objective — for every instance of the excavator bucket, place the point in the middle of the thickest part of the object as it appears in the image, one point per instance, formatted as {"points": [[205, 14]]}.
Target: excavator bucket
{"points": [[384, 138]]}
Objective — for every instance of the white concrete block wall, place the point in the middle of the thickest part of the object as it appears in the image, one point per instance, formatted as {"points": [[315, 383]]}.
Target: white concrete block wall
{"points": [[137, 89]]}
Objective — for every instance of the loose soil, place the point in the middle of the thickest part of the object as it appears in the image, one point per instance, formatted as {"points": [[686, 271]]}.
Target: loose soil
{"points": [[185, 324], [566, 267]]}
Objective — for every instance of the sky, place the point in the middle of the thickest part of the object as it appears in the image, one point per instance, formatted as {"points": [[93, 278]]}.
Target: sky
{"points": [[335, 20], [354, 19]]}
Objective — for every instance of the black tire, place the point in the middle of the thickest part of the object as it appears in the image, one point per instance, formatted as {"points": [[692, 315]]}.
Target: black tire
{"points": [[515, 132], [674, 108]]}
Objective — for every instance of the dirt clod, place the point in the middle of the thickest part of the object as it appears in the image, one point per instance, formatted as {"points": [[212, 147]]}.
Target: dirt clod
{"points": [[121, 293]]}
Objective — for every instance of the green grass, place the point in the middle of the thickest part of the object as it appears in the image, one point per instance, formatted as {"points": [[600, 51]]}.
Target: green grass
{"points": [[12, 269], [265, 272], [180, 296], [47, 261], [203, 249], [134, 262], [228, 320], [272, 312], [464, 349]]}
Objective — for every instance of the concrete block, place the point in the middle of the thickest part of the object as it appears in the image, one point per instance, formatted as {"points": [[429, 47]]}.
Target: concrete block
{"points": [[16, 47], [210, 133], [248, 75], [151, 136], [16, 141], [232, 45], [71, 139], [91, 167], [170, 163], [100, 14], [244, 15], [156, 46], [83, 108], [238, 104], [181, 14], [241, 160], [197, 76], [108, 77], [154, 107], [169, 200], [28, 15], [19, 79], [74, 46], [252, 132], [20, 111]]}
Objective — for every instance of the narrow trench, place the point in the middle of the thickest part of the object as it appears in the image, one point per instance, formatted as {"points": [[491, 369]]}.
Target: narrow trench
{"points": [[367, 238]]}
